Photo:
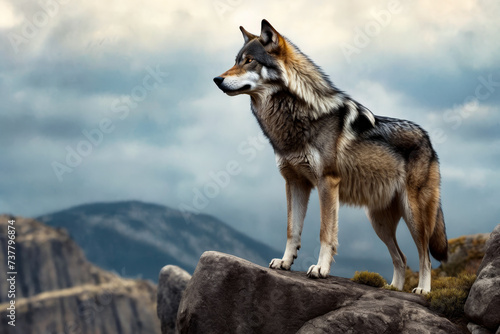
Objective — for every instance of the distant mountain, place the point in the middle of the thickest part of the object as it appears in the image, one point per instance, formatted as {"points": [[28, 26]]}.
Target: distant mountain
{"points": [[137, 239]]}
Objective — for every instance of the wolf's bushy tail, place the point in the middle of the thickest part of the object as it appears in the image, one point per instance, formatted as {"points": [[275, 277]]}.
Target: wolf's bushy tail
{"points": [[438, 243]]}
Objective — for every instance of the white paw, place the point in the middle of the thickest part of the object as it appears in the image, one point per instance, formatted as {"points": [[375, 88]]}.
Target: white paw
{"points": [[391, 287], [398, 286], [280, 264], [316, 271], [420, 291]]}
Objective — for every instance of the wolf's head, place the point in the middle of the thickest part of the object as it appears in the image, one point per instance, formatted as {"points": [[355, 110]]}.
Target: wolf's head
{"points": [[258, 64], [269, 63]]}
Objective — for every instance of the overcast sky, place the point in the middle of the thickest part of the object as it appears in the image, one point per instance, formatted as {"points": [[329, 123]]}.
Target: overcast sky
{"points": [[114, 100]]}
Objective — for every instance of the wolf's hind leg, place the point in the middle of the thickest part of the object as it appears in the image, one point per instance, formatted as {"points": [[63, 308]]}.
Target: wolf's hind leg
{"points": [[415, 219], [297, 197], [420, 213], [385, 223]]}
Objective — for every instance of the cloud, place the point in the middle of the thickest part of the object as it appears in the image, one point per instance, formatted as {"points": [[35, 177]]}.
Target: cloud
{"points": [[85, 62], [8, 18]]}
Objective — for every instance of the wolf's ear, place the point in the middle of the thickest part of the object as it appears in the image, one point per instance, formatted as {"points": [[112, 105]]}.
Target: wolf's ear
{"points": [[269, 37], [246, 35]]}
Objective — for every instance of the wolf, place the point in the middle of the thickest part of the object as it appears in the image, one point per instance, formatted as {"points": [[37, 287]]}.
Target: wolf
{"points": [[325, 139]]}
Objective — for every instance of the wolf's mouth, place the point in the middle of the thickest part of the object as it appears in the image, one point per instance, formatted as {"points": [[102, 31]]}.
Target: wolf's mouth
{"points": [[228, 91], [246, 87]]}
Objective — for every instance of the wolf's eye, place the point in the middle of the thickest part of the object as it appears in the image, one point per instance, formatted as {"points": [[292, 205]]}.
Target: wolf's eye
{"points": [[248, 60]]}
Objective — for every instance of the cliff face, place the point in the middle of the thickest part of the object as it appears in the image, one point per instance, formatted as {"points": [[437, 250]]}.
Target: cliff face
{"points": [[58, 291], [46, 259]]}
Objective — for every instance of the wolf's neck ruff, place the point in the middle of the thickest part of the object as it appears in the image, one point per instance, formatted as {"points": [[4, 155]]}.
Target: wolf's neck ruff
{"points": [[309, 83], [305, 81]]}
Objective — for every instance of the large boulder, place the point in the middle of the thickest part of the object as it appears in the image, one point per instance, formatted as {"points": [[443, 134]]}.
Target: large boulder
{"points": [[483, 303], [230, 295], [171, 284]]}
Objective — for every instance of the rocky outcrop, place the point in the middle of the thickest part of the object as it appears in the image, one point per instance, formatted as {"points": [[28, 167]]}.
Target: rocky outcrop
{"points": [[171, 284], [230, 295], [58, 291], [483, 303], [46, 259], [465, 254]]}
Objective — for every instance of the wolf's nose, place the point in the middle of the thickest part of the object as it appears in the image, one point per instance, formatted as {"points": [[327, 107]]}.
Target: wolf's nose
{"points": [[218, 80]]}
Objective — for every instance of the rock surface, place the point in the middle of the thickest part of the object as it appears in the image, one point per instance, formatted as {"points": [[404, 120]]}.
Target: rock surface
{"points": [[483, 303], [230, 295], [171, 284], [476, 329], [59, 291], [465, 254]]}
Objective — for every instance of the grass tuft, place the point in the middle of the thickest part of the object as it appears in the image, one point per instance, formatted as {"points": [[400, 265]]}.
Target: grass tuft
{"points": [[448, 295], [368, 278]]}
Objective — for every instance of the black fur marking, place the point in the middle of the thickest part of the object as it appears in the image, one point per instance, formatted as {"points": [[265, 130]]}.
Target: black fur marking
{"points": [[255, 49], [361, 124], [404, 138], [341, 113]]}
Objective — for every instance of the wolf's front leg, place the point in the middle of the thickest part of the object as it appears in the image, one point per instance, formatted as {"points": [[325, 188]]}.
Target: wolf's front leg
{"points": [[297, 197], [328, 191]]}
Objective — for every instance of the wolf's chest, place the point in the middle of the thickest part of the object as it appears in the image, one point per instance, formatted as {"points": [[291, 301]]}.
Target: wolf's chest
{"points": [[305, 163], [283, 121], [287, 137]]}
